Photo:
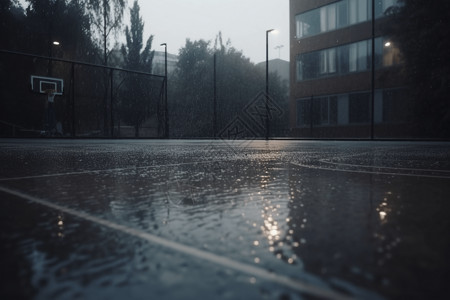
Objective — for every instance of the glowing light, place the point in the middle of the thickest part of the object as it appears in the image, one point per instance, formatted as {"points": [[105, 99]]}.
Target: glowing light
{"points": [[382, 215], [56, 43], [274, 232], [387, 44]]}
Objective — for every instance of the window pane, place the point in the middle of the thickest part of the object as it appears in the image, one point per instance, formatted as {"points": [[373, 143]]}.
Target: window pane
{"points": [[303, 113], [316, 111], [362, 11], [323, 62], [352, 57], [342, 109], [299, 69], [308, 23], [332, 109], [332, 60], [331, 9], [323, 110], [352, 10], [378, 52], [359, 108], [362, 56], [323, 19], [342, 14], [343, 59]]}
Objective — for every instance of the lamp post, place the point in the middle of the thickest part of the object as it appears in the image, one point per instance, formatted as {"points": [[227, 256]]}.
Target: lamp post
{"points": [[267, 82], [166, 109], [50, 55]]}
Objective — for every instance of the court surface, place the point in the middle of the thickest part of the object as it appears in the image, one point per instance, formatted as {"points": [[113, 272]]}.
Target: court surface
{"points": [[179, 219]]}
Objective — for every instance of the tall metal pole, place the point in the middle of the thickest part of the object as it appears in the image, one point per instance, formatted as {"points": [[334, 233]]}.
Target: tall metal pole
{"points": [[372, 104], [215, 97], [112, 102], [166, 109], [267, 82]]}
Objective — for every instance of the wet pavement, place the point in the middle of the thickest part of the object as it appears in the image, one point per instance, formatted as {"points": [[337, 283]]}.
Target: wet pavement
{"points": [[136, 219]]}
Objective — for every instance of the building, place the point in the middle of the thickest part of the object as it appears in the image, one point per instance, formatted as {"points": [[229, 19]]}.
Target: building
{"points": [[345, 72], [279, 66]]}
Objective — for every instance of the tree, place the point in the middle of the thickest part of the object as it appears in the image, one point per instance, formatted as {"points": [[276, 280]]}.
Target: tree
{"points": [[135, 105], [106, 16], [238, 82], [193, 90], [421, 30]]}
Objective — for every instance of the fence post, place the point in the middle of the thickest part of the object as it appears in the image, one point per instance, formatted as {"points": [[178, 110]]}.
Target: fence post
{"points": [[111, 105], [72, 96]]}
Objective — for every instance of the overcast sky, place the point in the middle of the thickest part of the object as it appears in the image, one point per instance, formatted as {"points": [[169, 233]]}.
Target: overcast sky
{"points": [[244, 22]]}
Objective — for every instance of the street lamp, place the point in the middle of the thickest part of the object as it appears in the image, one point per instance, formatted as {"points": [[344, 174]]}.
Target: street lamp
{"points": [[267, 82], [166, 109]]}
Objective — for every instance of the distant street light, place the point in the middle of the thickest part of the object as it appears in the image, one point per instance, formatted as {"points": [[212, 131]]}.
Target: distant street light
{"points": [[279, 50], [267, 82], [56, 43], [166, 109]]}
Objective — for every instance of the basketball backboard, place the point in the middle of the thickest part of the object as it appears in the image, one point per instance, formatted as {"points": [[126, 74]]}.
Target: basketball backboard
{"points": [[40, 84]]}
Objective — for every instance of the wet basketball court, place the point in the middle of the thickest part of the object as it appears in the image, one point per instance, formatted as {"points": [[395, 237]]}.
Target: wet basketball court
{"points": [[178, 219]]}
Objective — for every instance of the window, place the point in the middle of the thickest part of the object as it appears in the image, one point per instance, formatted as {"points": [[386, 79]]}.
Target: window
{"points": [[327, 110], [339, 15], [308, 24], [352, 57], [328, 61], [359, 108], [342, 13], [386, 53], [359, 11], [331, 16], [343, 59], [382, 7], [335, 61], [363, 56], [309, 65], [304, 112], [324, 111], [359, 56]]}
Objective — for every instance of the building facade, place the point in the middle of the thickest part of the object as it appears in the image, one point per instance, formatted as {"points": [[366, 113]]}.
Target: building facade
{"points": [[346, 73]]}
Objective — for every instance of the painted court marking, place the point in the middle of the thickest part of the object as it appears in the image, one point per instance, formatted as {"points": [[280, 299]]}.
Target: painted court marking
{"points": [[382, 167], [225, 262], [105, 170], [370, 172]]}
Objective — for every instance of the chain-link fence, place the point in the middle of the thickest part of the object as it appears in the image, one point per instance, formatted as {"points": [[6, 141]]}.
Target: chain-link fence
{"points": [[96, 101]]}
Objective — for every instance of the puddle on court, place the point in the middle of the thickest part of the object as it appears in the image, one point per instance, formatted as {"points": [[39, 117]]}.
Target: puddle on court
{"points": [[353, 233]]}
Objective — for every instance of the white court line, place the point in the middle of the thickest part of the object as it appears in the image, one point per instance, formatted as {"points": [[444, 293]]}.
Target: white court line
{"points": [[225, 262], [379, 167], [368, 172], [104, 170]]}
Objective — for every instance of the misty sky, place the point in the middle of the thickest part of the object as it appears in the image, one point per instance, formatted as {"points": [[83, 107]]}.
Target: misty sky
{"points": [[244, 22]]}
